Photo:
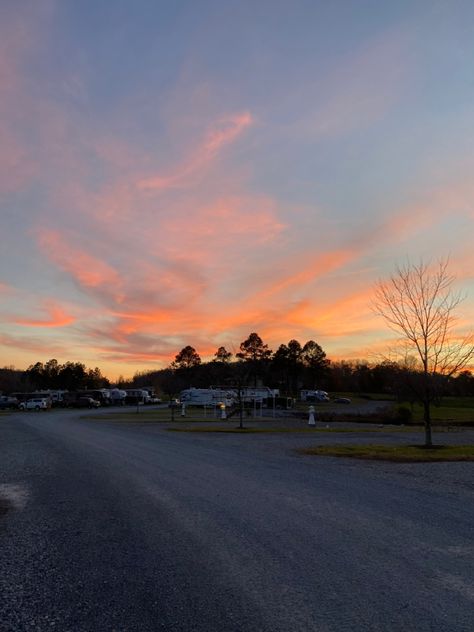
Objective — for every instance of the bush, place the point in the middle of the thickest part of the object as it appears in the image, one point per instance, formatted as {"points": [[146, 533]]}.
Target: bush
{"points": [[403, 415]]}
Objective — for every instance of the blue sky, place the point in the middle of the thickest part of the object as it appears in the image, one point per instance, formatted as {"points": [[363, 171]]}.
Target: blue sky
{"points": [[186, 173]]}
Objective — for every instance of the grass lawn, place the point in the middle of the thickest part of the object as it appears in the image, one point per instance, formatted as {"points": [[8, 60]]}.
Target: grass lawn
{"points": [[160, 415], [452, 410], [228, 427], [399, 454]]}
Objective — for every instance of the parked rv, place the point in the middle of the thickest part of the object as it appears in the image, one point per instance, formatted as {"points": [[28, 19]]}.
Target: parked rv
{"points": [[314, 396], [136, 396], [117, 396], [206, 396], [8, 402]]}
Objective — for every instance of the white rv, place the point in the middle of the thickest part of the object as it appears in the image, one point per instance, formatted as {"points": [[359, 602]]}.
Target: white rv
{"points": [[206, 397], [314, 396]]}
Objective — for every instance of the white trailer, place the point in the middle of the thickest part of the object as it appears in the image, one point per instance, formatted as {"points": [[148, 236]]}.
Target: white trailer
{"points": [[206, 397], [314, 396]]}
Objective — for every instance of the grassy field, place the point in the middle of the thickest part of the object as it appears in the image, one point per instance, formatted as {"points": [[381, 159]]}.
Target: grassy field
{"points": [[160, 415], [451, 410], [400, 454], [228, 427]]}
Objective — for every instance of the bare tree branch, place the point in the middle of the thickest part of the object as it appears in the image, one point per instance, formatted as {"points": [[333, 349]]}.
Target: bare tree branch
{"points": [[419, 303]]}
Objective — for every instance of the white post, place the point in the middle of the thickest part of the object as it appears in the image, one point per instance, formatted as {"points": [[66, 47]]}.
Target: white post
{"points": [[183, 410], [223, 415], [311, 420]]}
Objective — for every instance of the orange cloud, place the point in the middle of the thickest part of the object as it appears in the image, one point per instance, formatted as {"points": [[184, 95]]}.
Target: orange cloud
{"points": [[224, 132], [56, 317], [220, 231], [319, 266], [87, 270]]}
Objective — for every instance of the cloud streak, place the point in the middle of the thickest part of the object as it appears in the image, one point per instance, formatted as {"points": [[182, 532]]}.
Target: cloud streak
{"points": [[56, 316], [221, 134]]}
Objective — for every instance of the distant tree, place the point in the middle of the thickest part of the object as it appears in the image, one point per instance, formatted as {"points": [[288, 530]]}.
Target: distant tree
{"points": [[11, 379], [72, 376], [464, 384], [288, 362], [385, 377], [51, 373], [315, 361], [35, 375], [187, 358], [280, 370], [222, 355], [95, 379], [419, 303], [255, 353], [171, 382], [122, 382]]}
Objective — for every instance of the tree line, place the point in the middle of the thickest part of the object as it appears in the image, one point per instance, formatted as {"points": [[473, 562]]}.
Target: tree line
{"points": [[293, 366], [52, 375]]}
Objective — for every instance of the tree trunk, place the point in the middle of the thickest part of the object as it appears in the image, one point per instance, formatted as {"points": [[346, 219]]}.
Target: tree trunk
{"points": [[241, 411], [427, 420]]}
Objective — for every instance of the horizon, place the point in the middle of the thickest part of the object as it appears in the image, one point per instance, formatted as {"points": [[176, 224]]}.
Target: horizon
{"points": [[185, 175]]}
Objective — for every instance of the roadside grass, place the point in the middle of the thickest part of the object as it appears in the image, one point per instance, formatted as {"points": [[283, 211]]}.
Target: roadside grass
{"points": [[297, 429], [451, 410], [322, 406], [396, 454], [195, 421], [355, 429], [161, 415]]}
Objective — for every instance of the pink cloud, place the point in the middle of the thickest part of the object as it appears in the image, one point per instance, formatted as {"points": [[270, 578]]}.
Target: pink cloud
{"points": [[43, 347], [56, 316], [223, 133], [5, 288], [87, 270], [214, 233]]}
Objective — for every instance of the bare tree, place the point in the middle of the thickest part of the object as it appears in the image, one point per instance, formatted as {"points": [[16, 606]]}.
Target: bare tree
{"points": [[419, 302]]}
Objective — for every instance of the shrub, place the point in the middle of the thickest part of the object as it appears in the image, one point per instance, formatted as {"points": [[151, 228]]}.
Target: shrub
{"points": [[403, 415]]}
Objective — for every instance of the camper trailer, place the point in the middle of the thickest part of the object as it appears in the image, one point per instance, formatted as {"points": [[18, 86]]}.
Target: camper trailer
{"points": [[206, 397], [314, 396]]}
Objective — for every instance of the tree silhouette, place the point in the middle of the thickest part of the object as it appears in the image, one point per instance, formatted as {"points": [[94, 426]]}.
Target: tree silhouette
{"points": [[187, 358], [419, 303], [255, 352], [315, 361], [222, 355]]}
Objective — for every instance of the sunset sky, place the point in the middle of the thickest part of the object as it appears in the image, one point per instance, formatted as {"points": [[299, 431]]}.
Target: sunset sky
{"points": [[187, 172]]}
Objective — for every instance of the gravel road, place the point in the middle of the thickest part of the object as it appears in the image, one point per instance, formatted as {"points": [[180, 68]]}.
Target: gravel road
{"points": [[132, 528]]}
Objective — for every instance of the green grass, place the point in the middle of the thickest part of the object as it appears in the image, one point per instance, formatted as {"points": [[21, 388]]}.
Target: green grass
{"points": [[399, 454], [451, 410], [162, 415], [295, 429]]}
